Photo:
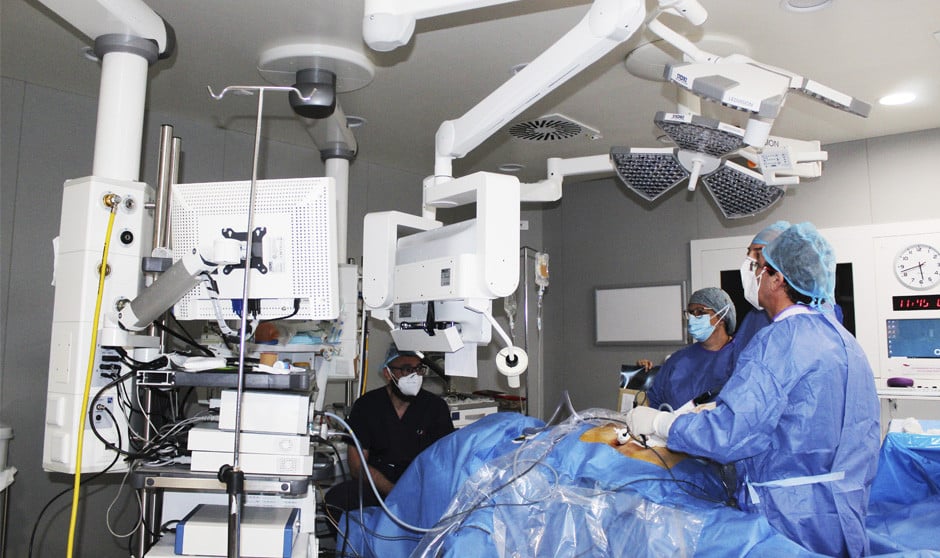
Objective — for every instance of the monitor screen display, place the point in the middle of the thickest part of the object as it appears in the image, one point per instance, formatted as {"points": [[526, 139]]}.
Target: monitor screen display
{"points": [[918, 338]]}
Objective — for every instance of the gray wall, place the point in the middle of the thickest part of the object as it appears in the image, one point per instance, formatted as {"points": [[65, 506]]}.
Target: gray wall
{"points": [[602, 235]]}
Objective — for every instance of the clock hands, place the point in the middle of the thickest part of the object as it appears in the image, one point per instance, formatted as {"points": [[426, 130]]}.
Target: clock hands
{"points": [[919, 267]]}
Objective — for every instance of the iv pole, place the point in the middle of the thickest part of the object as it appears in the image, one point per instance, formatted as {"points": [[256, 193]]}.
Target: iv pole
{"points": [[232, 475]]}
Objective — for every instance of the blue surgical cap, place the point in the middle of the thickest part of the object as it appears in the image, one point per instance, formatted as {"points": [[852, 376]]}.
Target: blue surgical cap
{"points": [[716, 299], [806, 260], [394, 353], [770, 233]]}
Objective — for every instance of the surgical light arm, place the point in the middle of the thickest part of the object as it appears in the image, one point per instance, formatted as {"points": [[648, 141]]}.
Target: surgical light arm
{"points": [[389, 24], [607, 24], [741, 83]]}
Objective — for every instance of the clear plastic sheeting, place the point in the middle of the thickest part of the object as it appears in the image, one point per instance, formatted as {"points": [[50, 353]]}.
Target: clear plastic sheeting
{"points": [[527, 503], [483, 492]]}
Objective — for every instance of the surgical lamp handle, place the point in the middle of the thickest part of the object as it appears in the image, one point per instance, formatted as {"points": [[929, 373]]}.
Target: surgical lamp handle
{"points": [[694, 173]]}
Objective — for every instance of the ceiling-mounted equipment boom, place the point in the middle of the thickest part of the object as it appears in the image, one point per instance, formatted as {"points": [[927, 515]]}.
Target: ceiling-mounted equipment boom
{"points": [[318, 87], [134, 18]]}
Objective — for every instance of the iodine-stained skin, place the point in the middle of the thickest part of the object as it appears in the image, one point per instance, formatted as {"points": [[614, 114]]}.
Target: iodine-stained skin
{"points": [[607, 434]]}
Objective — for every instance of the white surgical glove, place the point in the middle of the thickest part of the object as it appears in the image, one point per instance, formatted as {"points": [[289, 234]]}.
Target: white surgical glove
{"points": [[645, 421]]}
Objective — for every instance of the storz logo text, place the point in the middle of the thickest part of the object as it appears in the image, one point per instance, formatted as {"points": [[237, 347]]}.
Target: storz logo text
{"points": [[682, 79]]}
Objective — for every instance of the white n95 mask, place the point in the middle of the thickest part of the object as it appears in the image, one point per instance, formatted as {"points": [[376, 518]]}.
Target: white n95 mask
{"points": [[750, 282], [410, 385]]}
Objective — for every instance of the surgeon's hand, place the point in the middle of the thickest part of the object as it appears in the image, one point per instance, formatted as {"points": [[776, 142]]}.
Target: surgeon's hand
{"points": [[645, 421]]}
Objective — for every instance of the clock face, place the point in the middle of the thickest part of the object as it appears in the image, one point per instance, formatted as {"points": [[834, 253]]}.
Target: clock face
{"points": [[918, 266]]}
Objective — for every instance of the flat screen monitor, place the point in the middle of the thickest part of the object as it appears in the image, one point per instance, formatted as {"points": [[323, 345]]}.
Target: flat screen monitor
{"points": [[914, 338], [292, 247]]}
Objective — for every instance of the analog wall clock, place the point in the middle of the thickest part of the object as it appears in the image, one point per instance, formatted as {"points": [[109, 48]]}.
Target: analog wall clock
{"points": [[918, 266]]}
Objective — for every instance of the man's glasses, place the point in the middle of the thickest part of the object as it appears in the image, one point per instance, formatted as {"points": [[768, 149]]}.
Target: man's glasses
{"points": [[420, 370]]}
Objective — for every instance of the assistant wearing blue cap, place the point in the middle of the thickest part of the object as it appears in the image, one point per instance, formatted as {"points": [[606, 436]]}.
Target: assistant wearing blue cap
{"points": [[703, 367], [799, 417]]}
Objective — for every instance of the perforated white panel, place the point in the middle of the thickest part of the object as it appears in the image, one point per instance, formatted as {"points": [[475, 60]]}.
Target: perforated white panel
{"points": [[298, 255]]}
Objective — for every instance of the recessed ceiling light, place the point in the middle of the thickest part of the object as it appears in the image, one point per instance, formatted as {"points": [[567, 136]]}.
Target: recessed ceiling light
{"points": [[355, 121], [893, 99], [511, 167], [804, 5]]}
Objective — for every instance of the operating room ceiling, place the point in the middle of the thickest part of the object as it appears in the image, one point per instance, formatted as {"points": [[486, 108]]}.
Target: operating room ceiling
{"points": [[864, 48]]}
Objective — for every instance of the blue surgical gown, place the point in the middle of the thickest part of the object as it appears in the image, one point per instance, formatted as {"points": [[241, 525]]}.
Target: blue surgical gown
{"points": [[692, 371], [800, 405], [753, 321]]}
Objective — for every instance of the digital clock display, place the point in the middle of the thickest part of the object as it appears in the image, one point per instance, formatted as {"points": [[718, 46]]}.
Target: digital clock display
{"points": [[916, 302]]}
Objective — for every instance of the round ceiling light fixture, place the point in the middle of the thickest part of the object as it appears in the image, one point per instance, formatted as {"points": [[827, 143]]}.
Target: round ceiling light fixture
{"points": [[804, 5], [900, 98]]}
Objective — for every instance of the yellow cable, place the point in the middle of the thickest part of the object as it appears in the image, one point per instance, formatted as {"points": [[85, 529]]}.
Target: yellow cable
{"points": [[365, 366], [112, 202]]}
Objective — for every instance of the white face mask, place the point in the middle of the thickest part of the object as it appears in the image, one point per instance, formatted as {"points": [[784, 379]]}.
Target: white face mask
{"points": [[751, 283], [410, 385]]}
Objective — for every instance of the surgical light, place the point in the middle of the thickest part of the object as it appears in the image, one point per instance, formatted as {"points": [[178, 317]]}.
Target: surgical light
{"points": [[703, 143], [697, 133], [650, 173], [740, 192]]}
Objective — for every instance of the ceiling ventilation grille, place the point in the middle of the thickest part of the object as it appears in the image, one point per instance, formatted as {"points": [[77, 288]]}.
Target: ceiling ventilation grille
{"points": [[552, 127]]}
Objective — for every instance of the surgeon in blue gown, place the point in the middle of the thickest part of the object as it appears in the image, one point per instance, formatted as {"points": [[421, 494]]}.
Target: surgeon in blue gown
{"points": [[702, 368], [799, 415], [756, 318]]}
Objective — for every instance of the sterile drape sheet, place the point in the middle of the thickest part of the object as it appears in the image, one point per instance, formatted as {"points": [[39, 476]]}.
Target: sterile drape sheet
{"points": [[485, 493]]}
